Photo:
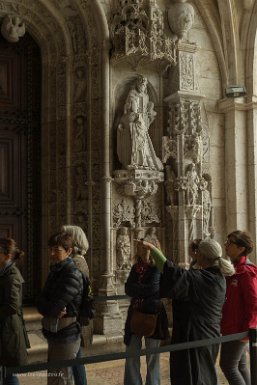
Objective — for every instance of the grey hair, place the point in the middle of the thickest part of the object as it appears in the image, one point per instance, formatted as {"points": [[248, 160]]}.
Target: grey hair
{"points": [[212, 251], [81, 244], [226, 267]]}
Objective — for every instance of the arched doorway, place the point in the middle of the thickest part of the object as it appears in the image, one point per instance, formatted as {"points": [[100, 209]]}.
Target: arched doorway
{"points": [[20, 143]]}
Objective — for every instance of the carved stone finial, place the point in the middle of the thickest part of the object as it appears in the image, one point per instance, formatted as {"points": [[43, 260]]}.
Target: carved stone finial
{"points": [[137, 30], [180, 17], [12, 28]]}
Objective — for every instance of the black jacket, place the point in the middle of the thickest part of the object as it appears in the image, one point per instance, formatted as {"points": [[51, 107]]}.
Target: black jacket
{"points": [[145, 293], [63, 288], [197, 297]]}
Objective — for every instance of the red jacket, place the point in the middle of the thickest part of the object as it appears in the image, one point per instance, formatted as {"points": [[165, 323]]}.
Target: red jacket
{"points": [[240, 308]]}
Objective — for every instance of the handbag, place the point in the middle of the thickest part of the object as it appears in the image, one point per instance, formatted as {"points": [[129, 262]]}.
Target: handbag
{"points": [[143, 324]]}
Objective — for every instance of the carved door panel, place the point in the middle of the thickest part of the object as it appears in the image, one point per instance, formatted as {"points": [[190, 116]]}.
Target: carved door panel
{"points": [[20, 216]]}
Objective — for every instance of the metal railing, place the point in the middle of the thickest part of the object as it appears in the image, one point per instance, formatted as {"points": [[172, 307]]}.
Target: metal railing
{"points": [[252, 334]]}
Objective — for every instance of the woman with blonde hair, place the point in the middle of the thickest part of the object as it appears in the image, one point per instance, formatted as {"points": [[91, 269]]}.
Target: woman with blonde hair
{"points": [[198, 296], [143, 286]]}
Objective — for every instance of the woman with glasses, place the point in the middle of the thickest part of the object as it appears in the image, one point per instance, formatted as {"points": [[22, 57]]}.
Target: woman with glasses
{"points": [[240, 308], [59, 304]]}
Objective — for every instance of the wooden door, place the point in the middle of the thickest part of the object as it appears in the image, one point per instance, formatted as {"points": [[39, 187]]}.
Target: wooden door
{"points": [[20, 100]]}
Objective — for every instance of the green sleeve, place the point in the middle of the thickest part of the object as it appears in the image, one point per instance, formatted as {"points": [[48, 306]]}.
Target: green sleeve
{"points": [[159, 258]]}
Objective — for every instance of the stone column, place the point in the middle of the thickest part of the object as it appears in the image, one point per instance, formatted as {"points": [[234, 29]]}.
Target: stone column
{"points": [[236, 163], [183, 154], [252, 169]]}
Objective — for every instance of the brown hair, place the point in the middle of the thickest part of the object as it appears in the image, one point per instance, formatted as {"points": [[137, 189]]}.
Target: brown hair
{"points": [[8, 246], [195, 244], [243, 239], [61, 239]]}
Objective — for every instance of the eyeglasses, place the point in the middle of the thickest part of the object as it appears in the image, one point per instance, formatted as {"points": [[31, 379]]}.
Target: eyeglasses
{"points": [[55, 249], [229, 242]]}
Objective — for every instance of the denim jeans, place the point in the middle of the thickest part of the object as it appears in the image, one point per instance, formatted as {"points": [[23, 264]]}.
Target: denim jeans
{"points": [[132, 366], [12, 379], [79, 372], [59, 351], [233, 363]]}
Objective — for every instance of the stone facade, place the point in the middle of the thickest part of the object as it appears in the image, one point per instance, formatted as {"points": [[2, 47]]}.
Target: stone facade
{"points": [[177, 156]]}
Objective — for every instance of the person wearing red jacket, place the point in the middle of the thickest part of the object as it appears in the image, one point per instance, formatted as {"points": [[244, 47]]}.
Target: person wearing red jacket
{"points": [[240, 308]]}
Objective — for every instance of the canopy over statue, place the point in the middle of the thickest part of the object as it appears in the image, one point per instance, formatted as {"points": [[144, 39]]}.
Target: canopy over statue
{"points": [[134, 146]]}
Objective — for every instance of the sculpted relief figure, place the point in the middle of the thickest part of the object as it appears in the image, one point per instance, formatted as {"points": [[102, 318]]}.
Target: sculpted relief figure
{"points": [[151, 236], [192, 181], [123, 249], [134, 145], [207, 203], [12, 28]]}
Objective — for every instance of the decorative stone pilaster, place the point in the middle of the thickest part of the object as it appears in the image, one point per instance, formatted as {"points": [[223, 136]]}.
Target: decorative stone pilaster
{"points": [[185, 152]]}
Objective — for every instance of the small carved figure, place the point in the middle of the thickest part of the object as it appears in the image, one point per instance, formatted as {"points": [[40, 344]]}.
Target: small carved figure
{"points": [[134, 145], [123, 249], [80, 84], [80, 135], [170, 183], [151, 236], [80, 180], [12, 28], [206, 207], [192, 181]]}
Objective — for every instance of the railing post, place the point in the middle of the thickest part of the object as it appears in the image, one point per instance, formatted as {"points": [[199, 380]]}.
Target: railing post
{"points": [[253, 355]]}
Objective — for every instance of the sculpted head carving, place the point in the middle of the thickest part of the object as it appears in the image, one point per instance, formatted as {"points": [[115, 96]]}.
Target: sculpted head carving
{"points": [[180, 17], [141, 84], [12, 28]]}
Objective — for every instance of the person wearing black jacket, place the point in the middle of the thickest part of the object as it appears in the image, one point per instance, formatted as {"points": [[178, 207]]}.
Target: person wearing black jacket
{"points": [[197, 300], [59, 304]]}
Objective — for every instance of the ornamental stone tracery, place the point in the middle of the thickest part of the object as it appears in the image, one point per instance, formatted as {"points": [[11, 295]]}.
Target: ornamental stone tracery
{"points": [[137, 30]]}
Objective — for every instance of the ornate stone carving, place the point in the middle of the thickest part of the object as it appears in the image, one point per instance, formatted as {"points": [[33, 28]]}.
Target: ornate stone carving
{"points": [[138, 184], [122, 213], [180, 17], [134, 146], [138, 30], [123, 249], [12, 28], [80, 134], [169, 149], [207, 204], [151, 236], [192, 185], [151, 210], [186, 151]]}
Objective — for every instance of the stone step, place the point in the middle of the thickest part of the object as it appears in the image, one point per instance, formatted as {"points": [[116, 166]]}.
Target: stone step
{"points": [[38, 350]]}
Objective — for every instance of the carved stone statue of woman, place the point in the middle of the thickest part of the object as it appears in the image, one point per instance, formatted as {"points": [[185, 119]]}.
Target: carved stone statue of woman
{"points": [[134, 145]]}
